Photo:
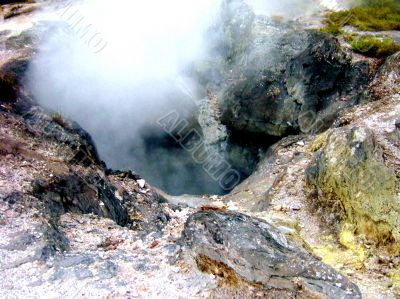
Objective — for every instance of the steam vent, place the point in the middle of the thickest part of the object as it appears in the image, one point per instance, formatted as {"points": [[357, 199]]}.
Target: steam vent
{"points": [[227, 149]]}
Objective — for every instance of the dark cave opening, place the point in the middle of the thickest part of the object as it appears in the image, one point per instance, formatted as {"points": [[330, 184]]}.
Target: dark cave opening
{"points": [[168, 164]]}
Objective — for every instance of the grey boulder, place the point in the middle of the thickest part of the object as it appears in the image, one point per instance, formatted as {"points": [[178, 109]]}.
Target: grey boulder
{"points": [[256, 252]]}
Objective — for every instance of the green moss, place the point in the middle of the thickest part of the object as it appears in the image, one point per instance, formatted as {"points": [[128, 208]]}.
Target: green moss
{"points": [[369, 15], [332, 29], [373, 47]]}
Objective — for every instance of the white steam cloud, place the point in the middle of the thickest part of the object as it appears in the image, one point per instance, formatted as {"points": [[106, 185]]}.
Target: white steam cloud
{"points": [[115, 67], [297, 8], [111, 66]]}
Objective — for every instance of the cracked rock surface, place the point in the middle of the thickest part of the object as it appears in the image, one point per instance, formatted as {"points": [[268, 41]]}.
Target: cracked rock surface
{"points": [[258, 253]]}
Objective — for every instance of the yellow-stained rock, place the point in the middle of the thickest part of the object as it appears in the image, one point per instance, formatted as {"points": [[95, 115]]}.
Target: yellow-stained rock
{"points": [[354, 181]]}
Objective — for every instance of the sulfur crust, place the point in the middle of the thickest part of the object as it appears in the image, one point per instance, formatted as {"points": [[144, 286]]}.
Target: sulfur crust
{"points": [[352, 173]]}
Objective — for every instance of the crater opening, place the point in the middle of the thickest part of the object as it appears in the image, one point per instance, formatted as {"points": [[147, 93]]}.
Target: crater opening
{"points": [[137, 79]]}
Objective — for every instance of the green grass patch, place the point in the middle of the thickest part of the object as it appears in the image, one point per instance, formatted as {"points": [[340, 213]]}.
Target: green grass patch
{"points": [[368, 15], [333, 29], [373, 47]]}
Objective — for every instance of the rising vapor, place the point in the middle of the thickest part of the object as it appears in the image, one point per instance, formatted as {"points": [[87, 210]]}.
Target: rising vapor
{"points": [[117, 68]]}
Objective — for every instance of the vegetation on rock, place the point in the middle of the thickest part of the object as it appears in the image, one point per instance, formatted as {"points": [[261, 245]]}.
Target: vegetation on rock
{"points": [[368, 15], [371, 46]]}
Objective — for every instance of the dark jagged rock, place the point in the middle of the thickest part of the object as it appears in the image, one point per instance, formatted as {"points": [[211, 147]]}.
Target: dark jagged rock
{"points": [[123, 174], [90, 194], [10, 9], [55, 240], [355, 171], [15, 92], [387, 81], [309, 79], [268, 79], [56, 127], [280, 78], [240, 247], [11, 75], [153, 218], [271, 61], [13, 70]]}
